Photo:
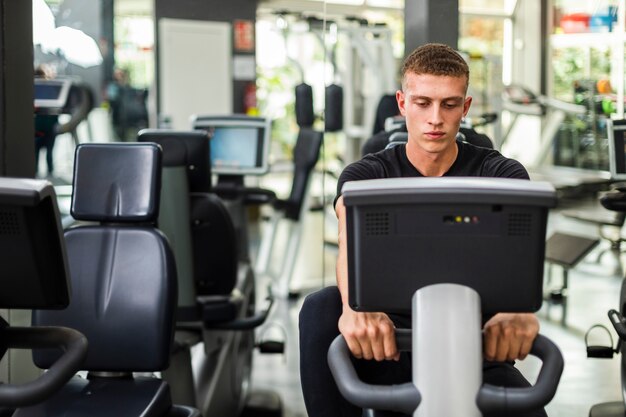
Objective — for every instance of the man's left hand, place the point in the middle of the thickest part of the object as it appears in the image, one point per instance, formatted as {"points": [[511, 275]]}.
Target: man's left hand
{"points": [[509, 336]]}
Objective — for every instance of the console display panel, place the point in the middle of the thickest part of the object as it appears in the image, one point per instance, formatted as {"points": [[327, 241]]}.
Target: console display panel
{"points": [[238, 144], [616, 131], [51, 94], [485, 233]]}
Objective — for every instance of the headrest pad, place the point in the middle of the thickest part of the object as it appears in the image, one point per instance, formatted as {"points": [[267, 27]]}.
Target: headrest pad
{"points": [[189, 148], [117, 182]]}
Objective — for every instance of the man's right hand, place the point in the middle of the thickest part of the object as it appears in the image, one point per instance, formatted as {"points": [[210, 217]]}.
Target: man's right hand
{"points": [[369, 335]]}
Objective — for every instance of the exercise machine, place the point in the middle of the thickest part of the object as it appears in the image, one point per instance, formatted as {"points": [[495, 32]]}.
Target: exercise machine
{"points": [[446, 250], [35, 275], [123, 288], [616, 201], [519, 100], [239, 146], [216, 313]]}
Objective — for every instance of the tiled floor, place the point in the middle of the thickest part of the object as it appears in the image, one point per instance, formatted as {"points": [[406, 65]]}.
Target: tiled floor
{"points": [[593, 289]]}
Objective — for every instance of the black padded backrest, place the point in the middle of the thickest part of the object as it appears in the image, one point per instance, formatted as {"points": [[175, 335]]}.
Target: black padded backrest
{"points": [[184, 147], [123, 298], [305, 155], [117, 182], [34, 270], [214, 245], [475, 138], [123, 276], [387, 107]]}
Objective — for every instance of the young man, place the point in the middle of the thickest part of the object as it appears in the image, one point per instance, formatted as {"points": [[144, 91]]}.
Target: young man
{"points": [[433, 100]]}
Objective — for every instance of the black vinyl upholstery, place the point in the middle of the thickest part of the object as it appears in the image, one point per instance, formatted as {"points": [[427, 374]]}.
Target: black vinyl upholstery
{"points": [[184, 147], [214, 245], [122, 271], [115, 184]]}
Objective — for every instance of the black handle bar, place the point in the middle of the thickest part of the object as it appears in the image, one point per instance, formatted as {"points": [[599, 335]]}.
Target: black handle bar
{"points": [[402, 398], [72, 342], [405, 397], [491, 398]]}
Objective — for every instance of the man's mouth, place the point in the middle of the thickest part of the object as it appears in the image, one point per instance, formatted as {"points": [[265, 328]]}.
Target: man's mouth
{"points": [[435, 134]]}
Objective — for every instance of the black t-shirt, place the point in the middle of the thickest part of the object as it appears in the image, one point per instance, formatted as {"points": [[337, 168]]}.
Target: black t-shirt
{"points": [[471, 161]]}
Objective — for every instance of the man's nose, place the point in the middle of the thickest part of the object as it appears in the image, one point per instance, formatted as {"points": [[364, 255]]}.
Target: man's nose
{"points": [[435, 116]]}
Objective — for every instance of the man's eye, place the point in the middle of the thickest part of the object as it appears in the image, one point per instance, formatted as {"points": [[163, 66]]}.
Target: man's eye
{"points": [[422, 103], [449, 105]]}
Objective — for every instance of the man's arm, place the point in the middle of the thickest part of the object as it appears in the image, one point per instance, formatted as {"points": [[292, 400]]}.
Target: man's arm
{"points": [[368, 335]]}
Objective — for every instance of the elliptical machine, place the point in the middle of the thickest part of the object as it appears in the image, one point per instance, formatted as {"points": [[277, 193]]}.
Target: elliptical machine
{"points": [[462, 246]]}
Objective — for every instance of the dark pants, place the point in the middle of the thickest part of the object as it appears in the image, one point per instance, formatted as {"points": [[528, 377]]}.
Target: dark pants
{"points": [[318, 328], [45, 141]]}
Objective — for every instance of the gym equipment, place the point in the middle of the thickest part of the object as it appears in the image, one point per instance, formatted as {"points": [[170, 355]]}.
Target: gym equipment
{"points": [[333, 109], [609, 223], [616, 132], [305, 116], [230, 185], [305, 155], [519, 100], [566, 251], [459, 247], [123, 295], [616, 201], [216, 299], [51, 94], [35, 275], [64, 96]]}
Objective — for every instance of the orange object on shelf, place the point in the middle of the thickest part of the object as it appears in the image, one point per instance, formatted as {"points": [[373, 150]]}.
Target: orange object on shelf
{"points": [[604, 86]]}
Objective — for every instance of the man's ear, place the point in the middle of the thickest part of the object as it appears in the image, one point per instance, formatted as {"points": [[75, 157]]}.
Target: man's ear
{"points": [[466, 105], [401, 101]]}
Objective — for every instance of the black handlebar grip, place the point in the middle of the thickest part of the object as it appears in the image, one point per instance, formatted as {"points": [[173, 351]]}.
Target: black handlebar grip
{"points": [[500, 399], [72, 342], [402, 398], [614, 200]]}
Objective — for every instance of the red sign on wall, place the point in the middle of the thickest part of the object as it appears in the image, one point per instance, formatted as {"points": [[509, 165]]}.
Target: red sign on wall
{"points": [[244, 35]]}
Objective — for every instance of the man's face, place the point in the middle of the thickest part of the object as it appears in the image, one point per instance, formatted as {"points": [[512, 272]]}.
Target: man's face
{"points": [[433, 106]]}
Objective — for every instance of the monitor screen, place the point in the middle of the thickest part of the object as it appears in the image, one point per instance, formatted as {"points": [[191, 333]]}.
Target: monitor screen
{"points": [[238, 144], [486, 233], [616, 131], [51, 94]]}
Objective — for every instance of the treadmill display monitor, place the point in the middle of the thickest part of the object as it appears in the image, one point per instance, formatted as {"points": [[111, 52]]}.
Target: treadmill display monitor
{"points": [[484, 233], [238, 144], [51, 94], [616, 131]]}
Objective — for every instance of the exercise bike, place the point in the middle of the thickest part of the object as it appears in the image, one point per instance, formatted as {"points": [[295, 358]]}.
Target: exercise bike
{"points": [[121, 295], [453, 248]]}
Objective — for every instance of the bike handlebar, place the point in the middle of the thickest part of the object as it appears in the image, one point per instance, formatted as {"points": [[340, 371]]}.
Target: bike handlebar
{"points": [[405, 397], [72, 342]]}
